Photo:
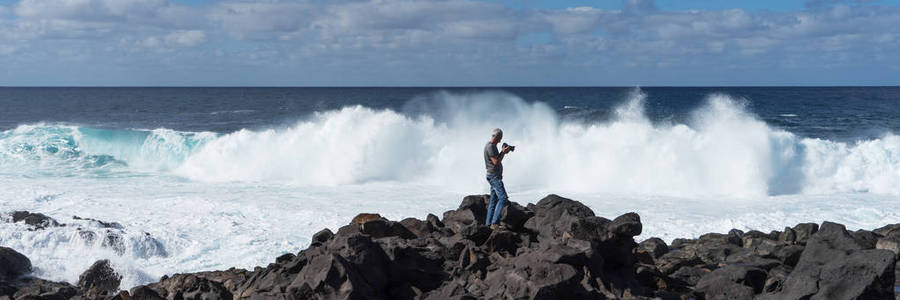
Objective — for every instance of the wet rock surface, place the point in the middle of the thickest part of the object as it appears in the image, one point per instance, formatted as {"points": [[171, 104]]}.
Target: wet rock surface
{"points": [[556, 248]]}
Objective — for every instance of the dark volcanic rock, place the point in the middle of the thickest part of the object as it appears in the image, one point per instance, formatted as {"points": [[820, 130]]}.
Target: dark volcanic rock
{"points": [[891, 243], [555, 249], [656, 247], [34, 288], [99, 279], [535, 275], [13, 264], [732, 282], [321, 237], [514, 216], [554, 215], [37, 220], [183, 286], [834, 266]]}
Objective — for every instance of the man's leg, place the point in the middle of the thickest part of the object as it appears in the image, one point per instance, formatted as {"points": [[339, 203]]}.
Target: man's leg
{"points": [[491, 204], [497, 187]]}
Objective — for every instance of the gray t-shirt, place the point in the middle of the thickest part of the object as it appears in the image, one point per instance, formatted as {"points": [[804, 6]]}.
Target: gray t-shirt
{"points": [[490, 150]]}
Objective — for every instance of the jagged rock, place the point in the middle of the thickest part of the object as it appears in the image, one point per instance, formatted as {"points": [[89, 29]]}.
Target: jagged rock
{"points": [[760, 246], [556, 249], [145, 293], [99, 279], [375, 226], [749, 259], [865, 239], [502, 241], [476, 233], [674, 260], [690, 275], [456, 220], [627, 225], [37, 220], [888, 230], [789, 255], [788, 236], [354, 266], [434, 221], [514, 216], [13, 264], [321, 237], [417, 227], [532, 276], [184, 286], [655, 246], [413, 270], [891, 243], [554, 215], [35, 288], [834, 266], [732, 282], [775, 279], [803, 231]]}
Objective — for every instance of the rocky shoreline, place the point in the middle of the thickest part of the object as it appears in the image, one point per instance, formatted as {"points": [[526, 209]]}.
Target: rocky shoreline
{"points": [[554, 249]]}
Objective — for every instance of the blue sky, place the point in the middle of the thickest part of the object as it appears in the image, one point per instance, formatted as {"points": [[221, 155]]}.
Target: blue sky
{"points": [[448, 43]]}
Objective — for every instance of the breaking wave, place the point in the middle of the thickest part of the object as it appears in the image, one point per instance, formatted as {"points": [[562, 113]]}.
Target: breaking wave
{"points": [[722, 150]]}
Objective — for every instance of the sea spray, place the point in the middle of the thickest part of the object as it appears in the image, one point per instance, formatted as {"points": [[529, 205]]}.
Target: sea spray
{"points": [[720, 149]]}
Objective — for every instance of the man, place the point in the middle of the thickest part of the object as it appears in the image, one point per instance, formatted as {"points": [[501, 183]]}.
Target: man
{"points": [[493, 162]]}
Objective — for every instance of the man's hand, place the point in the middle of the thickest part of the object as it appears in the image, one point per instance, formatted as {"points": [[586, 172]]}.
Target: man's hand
{"points": [[505, 150]]}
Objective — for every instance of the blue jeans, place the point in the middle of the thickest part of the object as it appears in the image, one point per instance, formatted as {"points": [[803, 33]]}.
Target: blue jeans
{"points": [[498, 200]]}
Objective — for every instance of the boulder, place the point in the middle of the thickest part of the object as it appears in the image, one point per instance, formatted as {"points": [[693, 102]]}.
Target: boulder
{"points": [[35, 288], [554, 215], [13, 264], [143, 292], [656, 247], [834, 266], [514, 216], [690, 275], [375, 226], [888, 230], [321, 237], [891, 243], [788, 236], [866, 239], [732, 282], [532, 276], [183, 286], [477, 204], [100, 279], [503, 242], [37, 220], [803, 231], [353, 266], [417, 227]]}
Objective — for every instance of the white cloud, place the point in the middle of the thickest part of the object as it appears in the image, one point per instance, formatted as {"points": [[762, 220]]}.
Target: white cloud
{"points": [[450, 33], [168, 42]]}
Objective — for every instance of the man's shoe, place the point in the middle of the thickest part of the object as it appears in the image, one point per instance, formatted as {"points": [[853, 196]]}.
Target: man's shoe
{"points": [[495, 226]]}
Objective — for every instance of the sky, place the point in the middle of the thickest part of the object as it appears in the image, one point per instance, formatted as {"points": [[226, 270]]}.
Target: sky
{"points": [[449, 43]]}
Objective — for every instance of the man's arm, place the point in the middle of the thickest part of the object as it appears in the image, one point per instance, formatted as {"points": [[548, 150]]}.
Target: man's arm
{"points": [[496, 159]]}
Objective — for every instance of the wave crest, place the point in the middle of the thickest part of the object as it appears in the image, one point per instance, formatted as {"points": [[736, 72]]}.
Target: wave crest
{"points": [[722, 150]]}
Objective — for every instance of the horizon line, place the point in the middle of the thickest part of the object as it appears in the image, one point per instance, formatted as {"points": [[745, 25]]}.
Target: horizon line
{"points": [[445, 86]]}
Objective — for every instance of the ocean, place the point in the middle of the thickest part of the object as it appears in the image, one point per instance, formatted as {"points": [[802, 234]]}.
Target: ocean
{"points": [[212, 178]]}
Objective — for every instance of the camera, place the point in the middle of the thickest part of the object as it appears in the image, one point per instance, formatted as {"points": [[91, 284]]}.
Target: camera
{"points": [[511, 148]]}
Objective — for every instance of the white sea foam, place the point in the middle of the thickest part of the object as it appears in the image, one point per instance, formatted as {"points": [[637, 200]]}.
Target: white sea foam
{"points": [[241, 199]]}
